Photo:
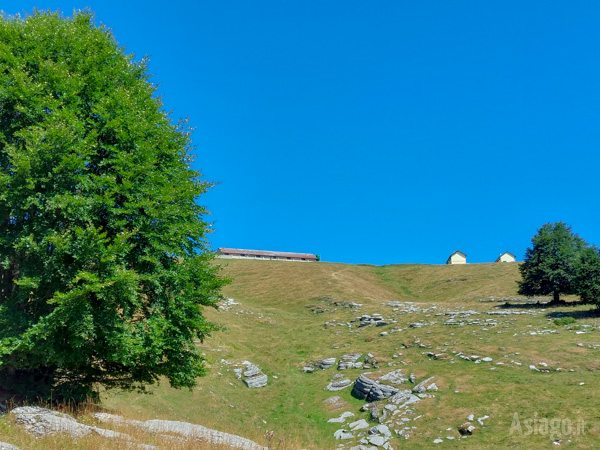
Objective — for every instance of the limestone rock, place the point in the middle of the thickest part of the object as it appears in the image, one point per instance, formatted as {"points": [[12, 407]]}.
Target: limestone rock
{"points": [[6, 446], [325, 363], [256, 381], [348, 361], [186, 430], [359, 425], [342, 418], [421, 387], [44, 422], [339, 385], [394, 377], [370, 390], [343, 434]]}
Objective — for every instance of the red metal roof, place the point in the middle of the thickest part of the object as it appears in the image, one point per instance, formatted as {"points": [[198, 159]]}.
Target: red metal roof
{"points": [[240, 251]]}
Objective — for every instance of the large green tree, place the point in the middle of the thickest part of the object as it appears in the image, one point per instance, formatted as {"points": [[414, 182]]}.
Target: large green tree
{"points": [[550, 265], [104, 265]]}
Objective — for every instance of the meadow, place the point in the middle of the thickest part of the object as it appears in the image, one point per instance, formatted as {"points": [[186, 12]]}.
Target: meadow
{"points": [[442, 320]]}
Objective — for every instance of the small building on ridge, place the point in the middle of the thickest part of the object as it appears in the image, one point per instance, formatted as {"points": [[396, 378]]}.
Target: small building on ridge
{"points": [[506, 257], [457, 258]]}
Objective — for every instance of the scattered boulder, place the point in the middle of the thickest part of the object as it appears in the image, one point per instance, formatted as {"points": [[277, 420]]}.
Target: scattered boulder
{"points": [[481, 419], [421, 387], [309, 368], [370, 359], [256, 381], [338, 385], [466, 429], [349, 361], [343, 434], [342, 418], [324, 364], [359, 425], [251, 375], [394, 377]]}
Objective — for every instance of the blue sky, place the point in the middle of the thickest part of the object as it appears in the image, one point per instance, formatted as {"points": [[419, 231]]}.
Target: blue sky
{"points": [[379, 132]]}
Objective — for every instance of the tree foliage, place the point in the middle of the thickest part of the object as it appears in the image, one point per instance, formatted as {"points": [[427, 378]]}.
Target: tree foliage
{"points": [[103, 258], [588, 275], [551, 264]]}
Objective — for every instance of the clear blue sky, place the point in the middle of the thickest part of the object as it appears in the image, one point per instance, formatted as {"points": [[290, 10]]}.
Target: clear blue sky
{"points": [[379, 132]]}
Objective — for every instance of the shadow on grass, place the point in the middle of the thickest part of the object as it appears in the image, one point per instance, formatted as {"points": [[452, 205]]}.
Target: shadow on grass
{"points": [[580, 314], [538, 305]]}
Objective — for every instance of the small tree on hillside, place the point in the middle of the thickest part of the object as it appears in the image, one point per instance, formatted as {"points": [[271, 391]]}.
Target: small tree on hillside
{"points": [[588, 276], [550, 265], [103, 257]]}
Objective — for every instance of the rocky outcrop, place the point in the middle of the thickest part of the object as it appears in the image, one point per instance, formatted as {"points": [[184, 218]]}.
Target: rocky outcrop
{"points": [[370, 390], [44, 422], [185, 430]]}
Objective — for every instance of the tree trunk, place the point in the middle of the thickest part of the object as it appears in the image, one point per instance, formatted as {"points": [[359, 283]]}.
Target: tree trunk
{"points": [[556, 298]]}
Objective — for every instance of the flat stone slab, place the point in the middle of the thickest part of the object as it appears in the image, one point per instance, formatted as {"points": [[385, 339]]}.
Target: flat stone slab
{"points": [[186, 430], [339, 385], [256, 381], [44, 422]]}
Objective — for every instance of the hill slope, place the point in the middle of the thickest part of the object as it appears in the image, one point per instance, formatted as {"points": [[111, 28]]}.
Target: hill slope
{"points": [[441, 322]]}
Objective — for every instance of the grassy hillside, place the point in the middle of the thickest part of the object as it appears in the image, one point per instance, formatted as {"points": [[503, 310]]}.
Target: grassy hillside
{"points": [[289, 314]]}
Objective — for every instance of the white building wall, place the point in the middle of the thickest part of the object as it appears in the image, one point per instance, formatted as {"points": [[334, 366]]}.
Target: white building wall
{"points": [[507, 258], [458, 259]]}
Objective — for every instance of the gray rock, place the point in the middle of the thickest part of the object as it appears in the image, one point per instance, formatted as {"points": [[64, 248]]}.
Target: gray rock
{"points": [[343, 434], [359, 425], [6, 446], [325, 363], [44, 422], [186, 430], [438, 441], [256, 381], [412, 378], [377, 440], [370, 390], [381, 391], [251, 370], [421, 387], [394, 377], [342, 418], [382, 430], [404, 398], [308, 369], [338, 385], [362, 387]]}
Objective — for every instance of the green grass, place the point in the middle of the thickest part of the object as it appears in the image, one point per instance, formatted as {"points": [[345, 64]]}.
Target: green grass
{"points": [[281, 333]]}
